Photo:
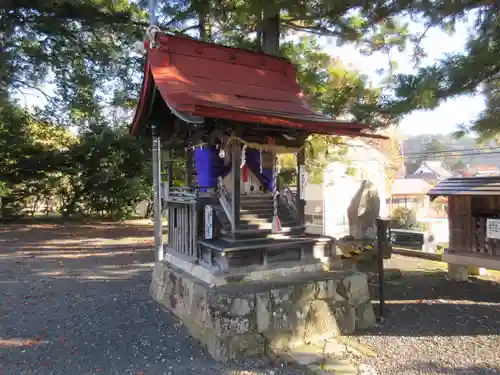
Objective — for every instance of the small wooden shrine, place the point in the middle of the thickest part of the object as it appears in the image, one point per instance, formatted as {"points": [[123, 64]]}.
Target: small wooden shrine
{"points": [[238, 268], [474, 221], [231, 111]]}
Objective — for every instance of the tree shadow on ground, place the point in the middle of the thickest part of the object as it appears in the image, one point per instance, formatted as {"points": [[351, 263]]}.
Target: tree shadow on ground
{"points": [[32, 235], [85, 309]]}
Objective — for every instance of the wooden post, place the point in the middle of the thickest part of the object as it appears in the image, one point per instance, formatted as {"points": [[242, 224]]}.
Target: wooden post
{"points": [[300, 203], [276, 225], [189, 168], [169, 172], [236, 185]]}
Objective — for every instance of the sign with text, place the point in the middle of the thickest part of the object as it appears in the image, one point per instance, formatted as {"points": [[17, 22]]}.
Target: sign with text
{"points": [[209, 222], [493, 228], [302, 181]]}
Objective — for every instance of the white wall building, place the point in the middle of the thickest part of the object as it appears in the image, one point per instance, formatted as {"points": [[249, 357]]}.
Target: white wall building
{"points": [[326, 207]]}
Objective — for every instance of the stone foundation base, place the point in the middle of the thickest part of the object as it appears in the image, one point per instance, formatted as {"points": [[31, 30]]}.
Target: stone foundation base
{"points": [[242, 319], [461, 272]]}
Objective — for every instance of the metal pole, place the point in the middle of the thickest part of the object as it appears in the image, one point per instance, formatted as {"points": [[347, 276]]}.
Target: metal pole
{"points": [[152, 18], [157, 194], [382, 243]]}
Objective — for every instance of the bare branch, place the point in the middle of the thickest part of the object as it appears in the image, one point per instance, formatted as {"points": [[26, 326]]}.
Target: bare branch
{"points": [[33, 87], [311, 29]]}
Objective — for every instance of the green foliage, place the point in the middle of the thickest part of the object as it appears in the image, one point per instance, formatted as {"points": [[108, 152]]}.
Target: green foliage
{"points": [[29, 157], [107, 175], [78, 55], [403, 218], [487, 125], [334, 90], [463, 73], [103, 173], [78, 47], [331, 87]]}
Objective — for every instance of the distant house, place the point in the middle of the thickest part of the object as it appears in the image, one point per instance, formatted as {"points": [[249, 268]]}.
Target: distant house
{"points": [[485, 170], [432, 171], [408, 192]]}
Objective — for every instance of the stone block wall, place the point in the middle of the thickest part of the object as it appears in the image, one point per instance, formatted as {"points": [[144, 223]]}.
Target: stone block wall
{"points": [[240, 320]]}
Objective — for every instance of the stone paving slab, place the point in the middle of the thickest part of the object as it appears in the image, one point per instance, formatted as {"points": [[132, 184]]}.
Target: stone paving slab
{"points": [[335, 355]]}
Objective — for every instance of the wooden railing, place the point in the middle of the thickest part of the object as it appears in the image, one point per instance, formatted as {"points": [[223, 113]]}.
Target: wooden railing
{"points": [[185, 207], [225, 200], [182, 194], [183, 224]]}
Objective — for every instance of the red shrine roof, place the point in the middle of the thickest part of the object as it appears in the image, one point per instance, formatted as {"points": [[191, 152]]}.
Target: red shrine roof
{"points": [[207, 80]]}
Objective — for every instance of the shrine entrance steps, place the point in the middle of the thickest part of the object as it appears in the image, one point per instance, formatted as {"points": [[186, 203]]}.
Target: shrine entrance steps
{"points": [[254, 244]]}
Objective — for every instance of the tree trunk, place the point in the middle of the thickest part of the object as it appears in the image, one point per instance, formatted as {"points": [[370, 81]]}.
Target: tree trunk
{"points": [[202, 8], [35, 205], [271, 30], [202, 26]]}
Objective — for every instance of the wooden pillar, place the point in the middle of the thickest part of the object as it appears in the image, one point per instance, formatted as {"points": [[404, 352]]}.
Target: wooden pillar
{"points": [[169, 172], [189, 168], [276, 225], [236, 186], [300, 203]]}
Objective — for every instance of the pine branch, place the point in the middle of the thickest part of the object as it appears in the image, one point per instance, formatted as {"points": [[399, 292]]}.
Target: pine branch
{"points": [[318, 30]]}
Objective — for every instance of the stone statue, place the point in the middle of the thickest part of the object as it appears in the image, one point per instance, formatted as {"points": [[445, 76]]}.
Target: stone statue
{"points": [[363, 212]]}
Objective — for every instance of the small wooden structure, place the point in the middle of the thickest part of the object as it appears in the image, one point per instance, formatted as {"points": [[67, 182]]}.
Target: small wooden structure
{"points": [[474, 220], [228, 112]]}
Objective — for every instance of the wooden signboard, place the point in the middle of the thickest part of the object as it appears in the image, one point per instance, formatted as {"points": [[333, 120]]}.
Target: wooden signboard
{"points": [[493, 228], [302, 181]]}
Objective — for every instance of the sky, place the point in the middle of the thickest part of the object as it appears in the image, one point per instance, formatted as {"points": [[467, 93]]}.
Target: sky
{"points": [[448, 115]]}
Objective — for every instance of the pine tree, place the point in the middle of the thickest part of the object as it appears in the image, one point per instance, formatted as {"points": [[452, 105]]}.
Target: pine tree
{"points": [[474, 70]]}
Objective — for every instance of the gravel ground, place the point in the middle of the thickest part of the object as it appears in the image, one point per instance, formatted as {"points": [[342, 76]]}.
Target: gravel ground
{"points": [[436, 326], [75, 301]]}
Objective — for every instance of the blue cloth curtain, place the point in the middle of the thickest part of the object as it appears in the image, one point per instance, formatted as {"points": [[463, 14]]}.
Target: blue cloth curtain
{"points": [[210, 167], [253, 162]]}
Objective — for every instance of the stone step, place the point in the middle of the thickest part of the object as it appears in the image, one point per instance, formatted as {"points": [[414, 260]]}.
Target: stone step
{"points": [[265, 212], [259, 232], [258, 223], [256, 197], [256, 205], [255, 220], [262, 210], [256, 217]]}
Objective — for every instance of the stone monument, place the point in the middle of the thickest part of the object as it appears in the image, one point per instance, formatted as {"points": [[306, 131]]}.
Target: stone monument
{"points": [[363, 211]]}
